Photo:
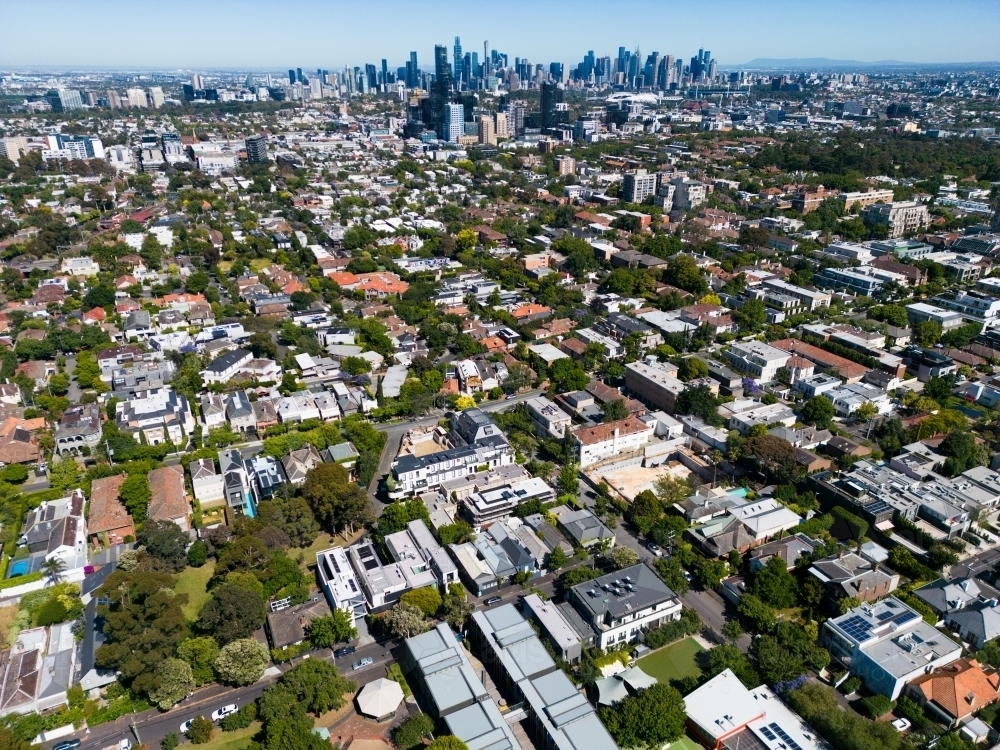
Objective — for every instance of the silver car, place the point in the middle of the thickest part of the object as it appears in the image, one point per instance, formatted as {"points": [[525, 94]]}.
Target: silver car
{"points": [[361, 663]]}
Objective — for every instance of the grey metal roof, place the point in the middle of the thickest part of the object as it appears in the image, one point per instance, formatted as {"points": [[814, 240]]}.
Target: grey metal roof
{"points": [[647, 590]]}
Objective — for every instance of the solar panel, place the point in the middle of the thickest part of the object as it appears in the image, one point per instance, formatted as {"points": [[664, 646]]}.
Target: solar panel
{"points": [[883, 616], [768, 733], [857, 628], [905, 617], [792, 744]]}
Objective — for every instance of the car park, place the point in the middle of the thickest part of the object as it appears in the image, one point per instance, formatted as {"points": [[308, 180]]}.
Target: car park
{"points": [[221, 713]]}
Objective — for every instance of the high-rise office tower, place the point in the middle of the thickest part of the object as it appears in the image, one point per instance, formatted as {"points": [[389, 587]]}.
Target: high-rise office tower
{"points": [[474, 71], [412, 72], [256, 146], [668, 65], [440, 90], [291, 77], [298, 75], [156, 97], [249, 81], [556, 71], [551, 96], [458, 63], [197, 82], [385, 72], [453, 124], [486, 59]]}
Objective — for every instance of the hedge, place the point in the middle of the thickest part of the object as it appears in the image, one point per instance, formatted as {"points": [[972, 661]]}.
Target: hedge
{"points": [[689, 624], [19, 580]]}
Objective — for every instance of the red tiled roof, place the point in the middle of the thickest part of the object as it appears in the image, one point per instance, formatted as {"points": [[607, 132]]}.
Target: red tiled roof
{"points": [[604, 432]]}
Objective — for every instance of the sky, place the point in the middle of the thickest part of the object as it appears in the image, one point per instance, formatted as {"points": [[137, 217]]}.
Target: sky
{"points": [[257, 35]]}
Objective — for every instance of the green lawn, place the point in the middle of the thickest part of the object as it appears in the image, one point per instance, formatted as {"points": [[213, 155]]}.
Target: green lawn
{"points": [[228, 740], [673, 662], [684, 743], [194, 583]]}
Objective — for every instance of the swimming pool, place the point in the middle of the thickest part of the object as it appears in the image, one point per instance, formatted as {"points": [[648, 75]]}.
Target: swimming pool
{"points": [[738, 492], [19, 568]]}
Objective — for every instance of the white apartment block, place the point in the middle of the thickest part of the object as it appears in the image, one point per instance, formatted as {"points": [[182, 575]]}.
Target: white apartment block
{"points": [[758, 358], [810, 298], [339, 583], [548, 417], [899, 218], [848, 398], [611, 439]]}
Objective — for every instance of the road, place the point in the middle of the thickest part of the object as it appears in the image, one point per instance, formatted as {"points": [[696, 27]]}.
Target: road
{"points": [[154, 725], [710, 606], [395, 431]]}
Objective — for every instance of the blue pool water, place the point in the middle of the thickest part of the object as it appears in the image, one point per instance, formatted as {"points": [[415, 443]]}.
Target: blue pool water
{"points": [[740, 492], [19, 568]]}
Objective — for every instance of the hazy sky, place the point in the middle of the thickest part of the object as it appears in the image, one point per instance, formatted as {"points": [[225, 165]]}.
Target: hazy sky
{"points": [[257, 35]]}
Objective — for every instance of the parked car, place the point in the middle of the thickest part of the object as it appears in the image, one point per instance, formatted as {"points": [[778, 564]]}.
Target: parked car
{"points": [[361, 663], [492, 600], [125, 744], [345, 651], [654, 549], [186, 726], [67, 745], [221, 713], [901, 725]]}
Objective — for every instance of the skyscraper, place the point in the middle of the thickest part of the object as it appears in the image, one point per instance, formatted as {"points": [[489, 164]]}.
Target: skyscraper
{"points": [[551, 96], [65, 100], [298, 75], [385, 72], [197, 82], [458, 63], [486, 59], [412, 71], [440, 90], [453, 126], [291, 77]]}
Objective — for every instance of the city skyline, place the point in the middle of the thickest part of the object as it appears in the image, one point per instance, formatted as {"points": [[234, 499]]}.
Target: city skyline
{"points": [[192, 35]]}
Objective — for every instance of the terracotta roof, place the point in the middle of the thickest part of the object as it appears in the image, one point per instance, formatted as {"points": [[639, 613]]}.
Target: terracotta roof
{"points": [[167, 500], [106, 509], [574, 346], [799, 363], [604, 432], [845, 367], [960, 688], [530, 309], [19, 447]]}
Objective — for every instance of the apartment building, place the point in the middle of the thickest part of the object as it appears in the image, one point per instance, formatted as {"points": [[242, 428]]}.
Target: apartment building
{"points": [[887, 644], [620, 605], [811, 299], [487, 506], [865, 198], [847, 399], [610, 439], [340, 584], [548, 417], [654, 384], [757, 358], [899, 218], [637, 185]]}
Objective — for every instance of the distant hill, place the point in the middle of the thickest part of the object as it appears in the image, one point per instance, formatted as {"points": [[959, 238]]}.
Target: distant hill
{"points": [[820, 63]]}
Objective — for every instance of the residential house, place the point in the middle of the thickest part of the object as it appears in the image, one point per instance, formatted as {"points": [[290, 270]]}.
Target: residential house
{"points": [[168, 499], [582, 527], [213, 410], [267, 474], [160, 415], [340, 584], [850, 575], [108, 521], [952, 694], [208, 484], [611, 439], [240, 413], [56, 529], [78, 428], [619, 606], [887, 644], [226, 366], [39, 670], [298, 463], [236, 482]]}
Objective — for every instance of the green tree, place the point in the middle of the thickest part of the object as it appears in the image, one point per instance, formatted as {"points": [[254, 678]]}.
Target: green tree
{"points": [[751, 316], [622, 557], [233, 613], [335, 501], [355, 365], [201, 654], [242, 662], [757, 613], [175, 682], [317, 685], [652, 716], [410, 734], [405, 620], [164, 541], [818, 411], [692, 368], [557, 558], [774, 584], [701, 402], [135, 494], [614, 410], [568, 481], [457, 606], [716, 660], [426, 599], [568, 375], [927, 333], [939, 388], [324, 632], [201, 730], [447, 742], [866, 411]]}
